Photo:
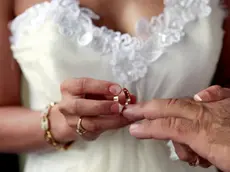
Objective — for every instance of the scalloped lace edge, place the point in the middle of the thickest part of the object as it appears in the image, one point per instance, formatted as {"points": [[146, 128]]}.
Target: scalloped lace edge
{"points": [[131, 56]]}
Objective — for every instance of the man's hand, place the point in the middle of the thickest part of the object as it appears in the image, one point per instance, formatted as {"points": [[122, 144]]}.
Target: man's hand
{"points": [[213, 93], [202, 126]]}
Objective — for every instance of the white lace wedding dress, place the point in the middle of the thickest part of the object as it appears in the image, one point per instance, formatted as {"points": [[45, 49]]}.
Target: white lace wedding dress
{"points": [[174, 55]]}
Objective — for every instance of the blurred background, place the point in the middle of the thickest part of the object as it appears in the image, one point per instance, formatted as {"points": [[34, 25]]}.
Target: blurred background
{"points": [[9, 162]]}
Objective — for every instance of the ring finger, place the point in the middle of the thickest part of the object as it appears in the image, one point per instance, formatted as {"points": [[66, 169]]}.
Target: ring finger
{"points": [[94, 126]]}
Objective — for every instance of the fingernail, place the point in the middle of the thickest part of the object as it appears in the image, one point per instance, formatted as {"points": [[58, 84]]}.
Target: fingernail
{"points": [[115, 89], [115, 108], [129, 109], [197, 98], [120, 108], [134, 127], [127, 113]]}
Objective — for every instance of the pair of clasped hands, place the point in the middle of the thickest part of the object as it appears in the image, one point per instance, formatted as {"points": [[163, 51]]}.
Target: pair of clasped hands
{"points": [[198, 127]]}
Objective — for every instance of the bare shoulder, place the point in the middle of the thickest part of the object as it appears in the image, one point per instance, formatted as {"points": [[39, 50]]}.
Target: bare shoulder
{"points": [[9, 70]]}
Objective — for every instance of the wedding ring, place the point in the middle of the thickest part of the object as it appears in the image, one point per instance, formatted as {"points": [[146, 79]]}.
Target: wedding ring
{"points": [[195, 163], [127, 96], [80, 129], [127, 100]]}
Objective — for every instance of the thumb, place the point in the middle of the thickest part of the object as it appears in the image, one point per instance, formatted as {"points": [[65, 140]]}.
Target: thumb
{"points": [[213, 93]]}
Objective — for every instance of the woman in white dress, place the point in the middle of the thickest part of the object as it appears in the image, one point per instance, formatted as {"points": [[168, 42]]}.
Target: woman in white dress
{"points": [[65, 44]]}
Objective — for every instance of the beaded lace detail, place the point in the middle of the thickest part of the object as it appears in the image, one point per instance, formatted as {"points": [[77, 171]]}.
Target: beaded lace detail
{"points": [[131, 56]]}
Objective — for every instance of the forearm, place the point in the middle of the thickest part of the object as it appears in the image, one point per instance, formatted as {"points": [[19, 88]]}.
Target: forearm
{"points": [[20, 130]]}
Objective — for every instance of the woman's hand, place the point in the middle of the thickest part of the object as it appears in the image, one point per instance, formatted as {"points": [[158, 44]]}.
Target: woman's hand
{"points": [[203, 126], [92, 101]]}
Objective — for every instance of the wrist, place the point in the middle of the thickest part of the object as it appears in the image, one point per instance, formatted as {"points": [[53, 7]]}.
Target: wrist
{"points": [[61, 130], [56, 131]]}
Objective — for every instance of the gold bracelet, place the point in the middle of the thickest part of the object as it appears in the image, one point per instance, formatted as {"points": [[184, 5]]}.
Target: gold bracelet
{"points": [[45, 125]]}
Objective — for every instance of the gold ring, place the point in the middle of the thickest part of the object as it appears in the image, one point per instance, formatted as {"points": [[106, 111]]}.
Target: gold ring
{"points": [[195, 163], [80, 129], [127, 99], [127, 96], [116, 98]]}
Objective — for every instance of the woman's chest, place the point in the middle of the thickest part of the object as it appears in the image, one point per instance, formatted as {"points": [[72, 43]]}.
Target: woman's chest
{"points": [[58, 40], [117, 15]]}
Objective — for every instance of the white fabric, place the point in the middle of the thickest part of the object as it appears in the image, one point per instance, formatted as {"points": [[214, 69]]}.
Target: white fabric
{"points": [[174, 56]]}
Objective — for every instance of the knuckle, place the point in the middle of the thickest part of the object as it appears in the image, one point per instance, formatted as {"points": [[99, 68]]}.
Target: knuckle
{"points": [[147, 124], [102, 108], [207, 95], [185, 105], [64, 86], [218, 90], [92, 126], [82, 84], [216, 87], [62, 108], [75, 106], [203, 119], [75, 85], [220, 114], [70, 122], [172, 102], [71, 107], [173, 124], [98, 107], [105, 108], [181, 103]]}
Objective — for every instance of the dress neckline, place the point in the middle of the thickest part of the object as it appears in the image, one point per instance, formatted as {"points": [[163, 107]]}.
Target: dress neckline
{"points": [[141, 26], [131, 55]]}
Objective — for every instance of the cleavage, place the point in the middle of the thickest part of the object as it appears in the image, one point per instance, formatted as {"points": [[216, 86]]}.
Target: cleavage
{"points": [[123, 15]]}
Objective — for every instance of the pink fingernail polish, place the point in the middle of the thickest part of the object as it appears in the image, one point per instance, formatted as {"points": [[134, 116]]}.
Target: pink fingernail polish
{"points": [[134, 127], [115, 89], [197, 98]]}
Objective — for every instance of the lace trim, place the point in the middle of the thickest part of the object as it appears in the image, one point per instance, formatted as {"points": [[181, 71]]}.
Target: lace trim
{"points": [[131, 56]]}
